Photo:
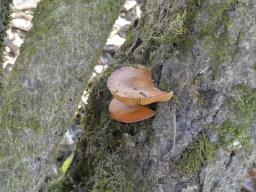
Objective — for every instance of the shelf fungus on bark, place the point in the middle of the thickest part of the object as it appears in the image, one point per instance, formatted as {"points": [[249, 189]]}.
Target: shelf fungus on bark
{"points": [[132, 88], [134, 85], [129, 113]]}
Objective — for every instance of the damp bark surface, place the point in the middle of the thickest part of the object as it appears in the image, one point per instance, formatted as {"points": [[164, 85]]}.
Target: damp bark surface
{"points": [[40, 97], [204, 51]]}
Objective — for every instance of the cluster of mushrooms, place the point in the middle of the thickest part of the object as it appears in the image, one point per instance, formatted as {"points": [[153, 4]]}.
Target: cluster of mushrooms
{"points": [[133, 88]]}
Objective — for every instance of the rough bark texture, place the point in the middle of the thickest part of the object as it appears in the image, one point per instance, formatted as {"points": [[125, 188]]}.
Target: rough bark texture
{"points": [[41, 95], [204, 51], [4, 21]]}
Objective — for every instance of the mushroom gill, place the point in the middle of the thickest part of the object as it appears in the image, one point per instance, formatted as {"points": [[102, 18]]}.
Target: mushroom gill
{"points": [[134, 85], [129, 113]]}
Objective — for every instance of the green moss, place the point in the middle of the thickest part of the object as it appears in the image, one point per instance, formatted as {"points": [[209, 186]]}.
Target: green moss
{"points": [[11, 110], [97, 169], [109, 6], [181, 34], [177, 33], [242, 112], [176, 29], [230, 131], [56, 54], [242, 109], [110, 178], [193, 158], [130, 39], [215, 34], [244, 104], [254, 67], [57, 185], [179, 24], [217, 17], [49, 18]]}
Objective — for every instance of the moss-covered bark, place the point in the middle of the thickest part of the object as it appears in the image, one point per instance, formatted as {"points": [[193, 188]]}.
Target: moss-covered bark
{"points": [[203, 51], [97, 167], [41, 94]]}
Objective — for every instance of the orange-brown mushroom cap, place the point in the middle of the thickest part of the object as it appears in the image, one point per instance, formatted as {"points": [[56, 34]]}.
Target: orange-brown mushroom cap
{"points": [[134, 85], [129, 113]]}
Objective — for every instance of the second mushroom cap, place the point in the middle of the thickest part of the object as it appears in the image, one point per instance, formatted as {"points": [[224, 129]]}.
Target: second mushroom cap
{"points": [[129, 113]]}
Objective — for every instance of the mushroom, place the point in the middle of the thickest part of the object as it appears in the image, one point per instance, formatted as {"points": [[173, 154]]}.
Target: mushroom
{"points": [[134, 85], [129, 113]]}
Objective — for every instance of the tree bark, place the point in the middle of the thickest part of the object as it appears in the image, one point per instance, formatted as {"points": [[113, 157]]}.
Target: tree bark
{"points": [[204, 51], [41, 95], [4, 21]]}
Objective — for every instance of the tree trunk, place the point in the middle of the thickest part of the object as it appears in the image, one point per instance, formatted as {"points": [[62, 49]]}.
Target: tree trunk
{"points": [[204, 51], [41, 94]]}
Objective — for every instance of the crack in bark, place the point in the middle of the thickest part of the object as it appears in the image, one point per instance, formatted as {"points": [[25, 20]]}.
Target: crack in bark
{"points": [[232, 155], [200, 181], [133, 47], [193, 55], [236, 47], [174, 123], [218, 180]]}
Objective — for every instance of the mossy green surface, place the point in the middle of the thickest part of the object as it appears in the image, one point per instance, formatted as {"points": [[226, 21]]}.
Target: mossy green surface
{"points": [[198, 152], [95, 165], [181, 32], [42, 92], [242, 109], [97, 169], [242, 112], [178, 31], [57, 186], [101, 163], [202, 149], [214, 32], [229, 132], [180, 35], [254, 67]]}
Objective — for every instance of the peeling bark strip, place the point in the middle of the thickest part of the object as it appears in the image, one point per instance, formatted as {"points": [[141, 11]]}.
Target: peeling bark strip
{"points": [[20, 24], [206, 52]]}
